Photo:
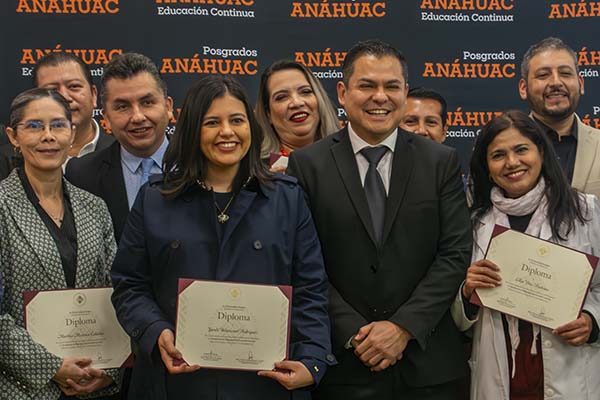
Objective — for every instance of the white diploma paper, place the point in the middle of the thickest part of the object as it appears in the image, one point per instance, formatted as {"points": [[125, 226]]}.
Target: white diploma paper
{"points": [[233, 325], [542, 282], [77, 323]]}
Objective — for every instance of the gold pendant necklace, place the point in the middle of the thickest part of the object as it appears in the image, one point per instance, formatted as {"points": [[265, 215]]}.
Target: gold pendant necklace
{"points": [[221, 216]]}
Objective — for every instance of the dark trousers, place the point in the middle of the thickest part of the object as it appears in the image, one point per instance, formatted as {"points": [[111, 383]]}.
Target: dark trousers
{"points": [[387, 386]]}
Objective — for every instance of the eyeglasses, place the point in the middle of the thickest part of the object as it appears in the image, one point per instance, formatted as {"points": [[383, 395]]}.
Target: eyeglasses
{"points": [[57, 126]]}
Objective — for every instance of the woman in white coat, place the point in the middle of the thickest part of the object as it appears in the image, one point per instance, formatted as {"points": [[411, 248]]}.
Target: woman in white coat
{"points": [[517, 182]]}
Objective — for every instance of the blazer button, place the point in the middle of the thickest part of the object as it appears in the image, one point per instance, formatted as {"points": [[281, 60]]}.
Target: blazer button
{"points": [[134, 333], [175, 244], [257, 245], [330, 358]]}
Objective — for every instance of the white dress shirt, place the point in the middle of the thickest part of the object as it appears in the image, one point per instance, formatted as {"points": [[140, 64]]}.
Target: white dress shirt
{"points": [[385, 164]]}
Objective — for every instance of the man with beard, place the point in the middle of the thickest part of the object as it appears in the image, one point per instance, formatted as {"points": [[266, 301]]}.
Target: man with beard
{"points": [[551, 84]]}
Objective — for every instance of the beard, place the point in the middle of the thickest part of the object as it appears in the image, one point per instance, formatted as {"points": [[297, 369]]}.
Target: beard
{"points": [[538, 105]]}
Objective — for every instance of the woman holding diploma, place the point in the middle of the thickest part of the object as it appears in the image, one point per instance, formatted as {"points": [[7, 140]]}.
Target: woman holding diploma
{"points": [[518, 183], [219, 215], [52, 236]]}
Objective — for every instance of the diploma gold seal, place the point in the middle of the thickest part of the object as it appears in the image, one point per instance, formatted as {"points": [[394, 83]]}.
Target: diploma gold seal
{"points": [[543, 251]]}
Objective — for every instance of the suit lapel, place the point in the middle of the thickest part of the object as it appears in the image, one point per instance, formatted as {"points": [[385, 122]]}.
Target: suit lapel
{"points": [[35, 231], [345, 161], [112, 184], [587, 144], [402, 165]]}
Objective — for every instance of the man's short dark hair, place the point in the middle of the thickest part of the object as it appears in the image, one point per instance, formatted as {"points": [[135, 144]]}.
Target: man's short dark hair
{"points": [[55, 59], [128, 65], [426, 93], [550, 43], [373, 47]]}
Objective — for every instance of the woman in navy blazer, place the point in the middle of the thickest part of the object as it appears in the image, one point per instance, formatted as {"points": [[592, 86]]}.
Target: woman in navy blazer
{"points": [[219, 215]]}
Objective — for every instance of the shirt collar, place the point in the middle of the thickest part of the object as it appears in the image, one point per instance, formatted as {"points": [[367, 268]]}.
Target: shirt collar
{"points": [[552, 132], [90, 146], [133, 162], [358, 143]]}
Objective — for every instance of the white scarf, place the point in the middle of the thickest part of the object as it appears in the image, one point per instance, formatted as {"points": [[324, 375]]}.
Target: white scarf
{"points": [[534, 202]]}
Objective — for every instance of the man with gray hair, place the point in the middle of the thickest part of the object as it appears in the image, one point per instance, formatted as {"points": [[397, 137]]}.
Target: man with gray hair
{"points": [[551, 84]]}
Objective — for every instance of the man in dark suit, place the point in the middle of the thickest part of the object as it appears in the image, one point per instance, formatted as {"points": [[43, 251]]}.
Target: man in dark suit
{"points": [[394, 227], [137, 110], [71, 77]]}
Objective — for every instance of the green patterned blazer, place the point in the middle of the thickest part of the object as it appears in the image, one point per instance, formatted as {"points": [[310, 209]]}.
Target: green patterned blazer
{"points": [[29, 260]]}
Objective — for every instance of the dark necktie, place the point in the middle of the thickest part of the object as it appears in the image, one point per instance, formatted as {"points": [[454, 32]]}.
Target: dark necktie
{"points": [[374, 189]]}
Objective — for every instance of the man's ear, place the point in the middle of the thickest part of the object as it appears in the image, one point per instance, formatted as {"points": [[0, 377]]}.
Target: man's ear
{"points": [[341, 92], [523, 89]]}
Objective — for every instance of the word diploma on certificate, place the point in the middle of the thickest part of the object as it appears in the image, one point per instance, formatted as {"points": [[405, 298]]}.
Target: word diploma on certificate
{"points": [[542, 282], [77, 323], [233, 325]]}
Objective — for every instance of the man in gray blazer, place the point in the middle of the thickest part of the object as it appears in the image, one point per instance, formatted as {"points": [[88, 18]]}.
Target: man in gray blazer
{"points": [[551, 84]]}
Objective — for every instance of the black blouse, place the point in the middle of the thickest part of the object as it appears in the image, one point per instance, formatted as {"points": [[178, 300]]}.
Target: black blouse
{"points": [[65, 236]]}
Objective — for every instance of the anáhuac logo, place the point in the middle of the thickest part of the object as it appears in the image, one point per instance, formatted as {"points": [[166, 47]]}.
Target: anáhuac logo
{"points": [[574, 9], [483, 11], [211, 60], [474, 65], [92, 57], [206, 8], [325, 64], [592, 120], [68, 6], [586, 60], [338, 9], [467, 124]]}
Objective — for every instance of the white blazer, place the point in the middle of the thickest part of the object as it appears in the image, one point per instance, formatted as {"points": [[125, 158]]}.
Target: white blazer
{"points": [[570, 372]]}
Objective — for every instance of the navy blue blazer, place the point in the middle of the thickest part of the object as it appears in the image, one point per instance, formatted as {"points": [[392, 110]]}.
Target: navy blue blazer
{"points": [[270, 238]]}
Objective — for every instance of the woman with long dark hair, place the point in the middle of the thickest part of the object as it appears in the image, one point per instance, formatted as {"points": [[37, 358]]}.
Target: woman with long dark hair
{"points": [[218, 214], [517, 182]]}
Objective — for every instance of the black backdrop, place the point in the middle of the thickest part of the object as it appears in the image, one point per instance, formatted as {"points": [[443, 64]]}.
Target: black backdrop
{"points": [[469, 50]]}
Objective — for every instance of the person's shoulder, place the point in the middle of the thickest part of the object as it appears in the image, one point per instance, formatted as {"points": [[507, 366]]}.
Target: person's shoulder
{"points": [[82, 196], [285, 180], [582, 125], [322, 145], [83, 163]]}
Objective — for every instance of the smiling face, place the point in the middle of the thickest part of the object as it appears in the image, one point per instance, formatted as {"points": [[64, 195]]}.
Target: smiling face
{"points": [[424, 117], [374, 97], [44, 150], [293, 108], [552, 87], [224, 136], [137, 112], [68, 79], [514, 162]]}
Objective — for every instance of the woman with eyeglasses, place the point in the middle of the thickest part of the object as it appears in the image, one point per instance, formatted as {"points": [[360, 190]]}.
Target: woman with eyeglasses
{"points": [[52, 236]]}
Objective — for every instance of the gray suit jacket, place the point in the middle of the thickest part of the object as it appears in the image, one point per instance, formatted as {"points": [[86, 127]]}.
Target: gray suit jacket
{"points": [[29, 260], [586, 176]]}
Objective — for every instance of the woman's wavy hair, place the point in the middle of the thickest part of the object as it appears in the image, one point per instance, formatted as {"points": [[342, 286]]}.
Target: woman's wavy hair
{"points": [[564, 206], [328, 121], [184, 163]]}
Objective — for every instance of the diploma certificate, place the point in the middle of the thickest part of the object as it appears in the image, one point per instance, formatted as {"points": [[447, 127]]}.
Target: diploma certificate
{"points": [[542, 282], [77, 323], [233, 325]]}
